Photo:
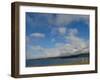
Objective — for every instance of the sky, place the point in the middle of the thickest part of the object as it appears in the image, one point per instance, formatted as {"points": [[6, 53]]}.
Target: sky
{"points": [[53, 35]]}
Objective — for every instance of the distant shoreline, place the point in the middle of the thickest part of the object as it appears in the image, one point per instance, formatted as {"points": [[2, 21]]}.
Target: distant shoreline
{"points": [[69, 60], [70, 56]]}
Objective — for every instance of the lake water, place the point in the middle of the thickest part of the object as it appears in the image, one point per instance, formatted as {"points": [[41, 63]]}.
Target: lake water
{"points": [[71, 60]]}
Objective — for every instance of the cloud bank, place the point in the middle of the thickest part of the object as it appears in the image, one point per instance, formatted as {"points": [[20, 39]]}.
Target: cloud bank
{"points": [[75, 45], [66, 19]]}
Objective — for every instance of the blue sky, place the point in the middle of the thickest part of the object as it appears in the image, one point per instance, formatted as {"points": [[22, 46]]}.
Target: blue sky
{"points": [[46, 31]]}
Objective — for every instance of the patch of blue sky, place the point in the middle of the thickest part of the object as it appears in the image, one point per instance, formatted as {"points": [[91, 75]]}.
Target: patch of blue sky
{"points": [[44, 23]]}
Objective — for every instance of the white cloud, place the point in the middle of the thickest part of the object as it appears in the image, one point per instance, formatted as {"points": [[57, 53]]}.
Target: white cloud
{"points": [[79, 45], [62, 30], [38, 35], [72, 32], [59, 31], [74, 40]]}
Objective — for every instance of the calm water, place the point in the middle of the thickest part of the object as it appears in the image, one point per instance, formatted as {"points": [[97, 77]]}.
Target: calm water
{"points": [[79, 59]]}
